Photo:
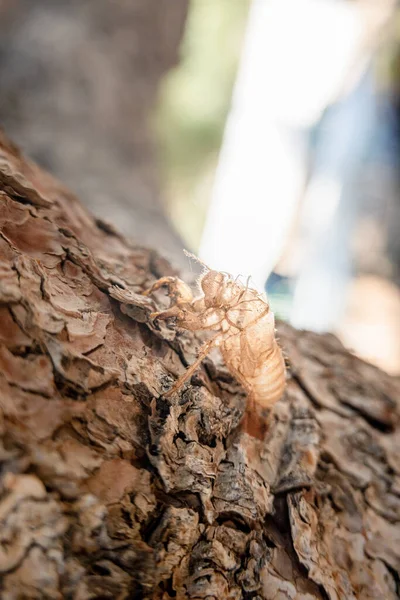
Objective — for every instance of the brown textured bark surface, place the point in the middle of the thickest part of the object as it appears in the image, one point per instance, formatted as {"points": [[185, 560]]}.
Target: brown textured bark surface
{"points": [[110, 491]]}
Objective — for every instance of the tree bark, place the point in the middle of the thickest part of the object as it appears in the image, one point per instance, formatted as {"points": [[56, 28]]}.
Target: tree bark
{"points": [[110, 491]]}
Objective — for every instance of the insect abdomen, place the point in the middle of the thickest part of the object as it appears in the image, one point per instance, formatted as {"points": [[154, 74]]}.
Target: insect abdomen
{"points": [[268, 385]]}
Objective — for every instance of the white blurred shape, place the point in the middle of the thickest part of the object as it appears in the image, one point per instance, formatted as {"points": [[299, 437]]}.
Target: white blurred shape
{"points": [[321, 202], [294, 60]]}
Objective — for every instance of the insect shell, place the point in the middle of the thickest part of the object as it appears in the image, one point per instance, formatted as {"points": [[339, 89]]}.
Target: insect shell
{"points": [[248, 344], [245, 332]]}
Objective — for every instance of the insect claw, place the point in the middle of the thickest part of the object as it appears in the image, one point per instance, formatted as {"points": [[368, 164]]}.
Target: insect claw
{"points": [[154, 316]]}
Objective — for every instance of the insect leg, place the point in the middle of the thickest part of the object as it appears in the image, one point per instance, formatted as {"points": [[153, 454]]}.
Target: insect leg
{"points": [[173, 311], [178, 290], [167, 281], [204, 350], [242, 292]]}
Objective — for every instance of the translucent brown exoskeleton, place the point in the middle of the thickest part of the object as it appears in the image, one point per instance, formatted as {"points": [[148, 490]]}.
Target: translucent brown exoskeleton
{"points": [[245, 332]]}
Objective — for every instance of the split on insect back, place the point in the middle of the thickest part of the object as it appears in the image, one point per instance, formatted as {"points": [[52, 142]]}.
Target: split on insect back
{"points": [[244, 330]]}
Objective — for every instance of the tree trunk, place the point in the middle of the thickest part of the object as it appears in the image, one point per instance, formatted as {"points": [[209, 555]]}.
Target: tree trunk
{"points": [[79, 81], [110, 491]]}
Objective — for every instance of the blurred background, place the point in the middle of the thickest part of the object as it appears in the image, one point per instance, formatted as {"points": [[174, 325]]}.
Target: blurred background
{"points": [[263, 135]]}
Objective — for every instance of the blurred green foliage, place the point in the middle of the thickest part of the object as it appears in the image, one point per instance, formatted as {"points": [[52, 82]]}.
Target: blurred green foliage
{"points": [[194, 102]]}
